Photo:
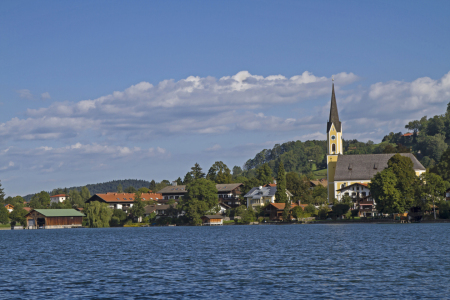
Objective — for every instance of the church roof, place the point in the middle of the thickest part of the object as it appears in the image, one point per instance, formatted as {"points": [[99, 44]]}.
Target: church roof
{"points": [[365, 166], [334, 116]]}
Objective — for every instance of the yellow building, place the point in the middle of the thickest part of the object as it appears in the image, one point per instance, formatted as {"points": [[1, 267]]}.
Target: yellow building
{"points": [[344, 170]]}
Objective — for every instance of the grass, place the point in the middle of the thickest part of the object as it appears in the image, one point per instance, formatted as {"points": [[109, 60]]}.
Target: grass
{"points": [[5, 225], [320, 173], [228, 222]]}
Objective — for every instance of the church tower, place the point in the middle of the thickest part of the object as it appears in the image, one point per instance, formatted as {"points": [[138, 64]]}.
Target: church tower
{"points": [[334, 144]]}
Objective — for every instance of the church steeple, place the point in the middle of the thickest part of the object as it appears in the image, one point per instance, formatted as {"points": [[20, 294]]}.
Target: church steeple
{"points": [[334, 116]]}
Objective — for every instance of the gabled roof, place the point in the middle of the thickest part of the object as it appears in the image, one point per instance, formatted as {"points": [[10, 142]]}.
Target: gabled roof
{"points": [[181, 189], [173, 189], [352, 185], [151, 208], [323, 182], [213, 217], [227, 187], [123, 197], [281, 206], [264, 191], [59, 195], [58, 212], [365, 166], [334, 116]]}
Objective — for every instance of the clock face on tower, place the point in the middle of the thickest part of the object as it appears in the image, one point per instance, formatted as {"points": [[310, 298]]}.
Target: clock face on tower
{"points": [[333, 137]]}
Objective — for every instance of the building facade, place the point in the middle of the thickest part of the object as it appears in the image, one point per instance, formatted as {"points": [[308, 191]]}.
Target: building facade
{"points": [[346, 170], [58, 198]]}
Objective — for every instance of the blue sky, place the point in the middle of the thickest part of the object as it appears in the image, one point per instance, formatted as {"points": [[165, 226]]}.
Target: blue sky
{"points": [[92, 91]]}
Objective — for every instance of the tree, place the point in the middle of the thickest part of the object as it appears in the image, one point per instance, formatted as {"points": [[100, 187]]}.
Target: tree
{"points": [[237, 170], [138, 209], [280, 194], [130, 190], [219, 173], [2, 194], [340, 209], [75, 199], [432, 146], [188, 178], [197, 171], [402, 167], [18, 216], [179, 181], [4, 215], [319, 194], [432, 189], [118, 217], [384, 191], [200, 198], [98, 214], [413, 126], [249, 184], [299, 187], [443, 167], [85, 194], [264, 174], [40, 200], [119, 188], [298, 213], [143, 190], [152, 185]]}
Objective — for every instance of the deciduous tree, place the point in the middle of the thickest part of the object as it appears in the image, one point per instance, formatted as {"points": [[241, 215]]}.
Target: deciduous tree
{"points": [[264, 174], [200, 198], [138, 206], [219, 173], [40, 200], [4, 215], [98, 214]]}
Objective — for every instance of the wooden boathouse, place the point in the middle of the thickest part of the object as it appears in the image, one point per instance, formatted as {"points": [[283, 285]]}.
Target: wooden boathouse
{"points": [[212, 220], [54, 218]]}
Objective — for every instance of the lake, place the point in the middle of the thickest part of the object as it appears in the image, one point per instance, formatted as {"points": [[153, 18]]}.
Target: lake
{"points": [[272, 262]]}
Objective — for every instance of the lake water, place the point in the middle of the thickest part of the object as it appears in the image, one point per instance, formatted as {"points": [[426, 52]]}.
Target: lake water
{"points": [[273, 262]]}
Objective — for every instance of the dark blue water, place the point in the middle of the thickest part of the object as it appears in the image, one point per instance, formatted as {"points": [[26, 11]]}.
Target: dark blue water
{"points": [[274, 262]]}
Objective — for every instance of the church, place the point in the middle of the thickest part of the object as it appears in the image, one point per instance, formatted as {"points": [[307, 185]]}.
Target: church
{"points": [[352, 171]]}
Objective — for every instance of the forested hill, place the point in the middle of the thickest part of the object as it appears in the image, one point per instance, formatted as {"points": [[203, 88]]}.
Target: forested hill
{"points": [[104, 187], [427, 139]]}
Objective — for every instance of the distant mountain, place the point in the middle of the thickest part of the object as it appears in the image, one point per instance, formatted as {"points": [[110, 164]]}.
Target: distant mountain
{"points": [[104, 187]]}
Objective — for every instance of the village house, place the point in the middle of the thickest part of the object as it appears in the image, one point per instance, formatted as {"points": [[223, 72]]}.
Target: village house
{"points": [[366, 207], [122, 201], [163, 210], [227, 193], [54, 218], [275, 210], [58, 198], [212, 220], [9, 207], [259, 196], [355, 191]]}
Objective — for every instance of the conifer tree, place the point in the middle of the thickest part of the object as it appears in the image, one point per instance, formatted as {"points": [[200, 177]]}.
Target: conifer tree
{"points": [[280, 195], [197, 171]]}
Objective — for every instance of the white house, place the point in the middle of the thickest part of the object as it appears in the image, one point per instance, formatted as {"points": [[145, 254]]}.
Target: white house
{"points": [[259, 196], [58, 198]]}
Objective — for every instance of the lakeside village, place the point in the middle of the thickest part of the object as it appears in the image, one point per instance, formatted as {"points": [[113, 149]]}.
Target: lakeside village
{"points": [[386, 183]]}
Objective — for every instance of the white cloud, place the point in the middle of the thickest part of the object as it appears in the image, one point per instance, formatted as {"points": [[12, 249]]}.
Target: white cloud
{"points": [[214, 148], [25, 94], [45, 96], [244, 102]]}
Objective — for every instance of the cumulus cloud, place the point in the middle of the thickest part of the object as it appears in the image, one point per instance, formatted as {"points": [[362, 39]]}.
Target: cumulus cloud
{"points": [[214, 148], [25, 94], [45, 96], [242, 102], [48, 158]]}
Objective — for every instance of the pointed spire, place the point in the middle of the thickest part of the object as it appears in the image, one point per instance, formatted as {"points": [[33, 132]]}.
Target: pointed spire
{"points": [[334, 116]]}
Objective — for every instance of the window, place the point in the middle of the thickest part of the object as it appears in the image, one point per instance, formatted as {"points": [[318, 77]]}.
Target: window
{"points": [[333, 147]]}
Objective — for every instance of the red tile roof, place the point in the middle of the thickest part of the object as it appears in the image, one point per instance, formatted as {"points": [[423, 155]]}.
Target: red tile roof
{"points": [[59, 195], [280, 206], [28, 209], [271, 184], [408, 134]]}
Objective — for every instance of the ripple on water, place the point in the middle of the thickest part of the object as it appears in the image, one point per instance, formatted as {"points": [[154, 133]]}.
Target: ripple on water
{"points": [[301, 261]]}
